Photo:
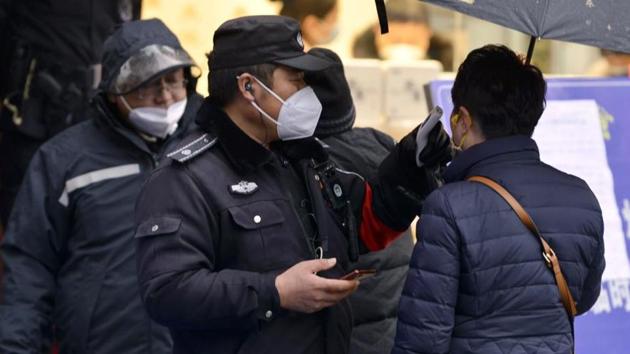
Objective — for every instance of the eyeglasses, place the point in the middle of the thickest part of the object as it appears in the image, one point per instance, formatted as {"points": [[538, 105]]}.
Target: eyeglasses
{"points": [[154, 89]]}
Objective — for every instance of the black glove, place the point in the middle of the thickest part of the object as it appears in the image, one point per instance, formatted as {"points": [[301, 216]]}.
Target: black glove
{"points": [[437, 151], [403, 184]]}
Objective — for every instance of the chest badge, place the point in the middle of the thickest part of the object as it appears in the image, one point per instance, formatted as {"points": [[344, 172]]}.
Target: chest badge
{"points": [[244, 188]]}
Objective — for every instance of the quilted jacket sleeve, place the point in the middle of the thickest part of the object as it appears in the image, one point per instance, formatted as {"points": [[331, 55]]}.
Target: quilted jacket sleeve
{"points": [[427, 305], [593, 282]]}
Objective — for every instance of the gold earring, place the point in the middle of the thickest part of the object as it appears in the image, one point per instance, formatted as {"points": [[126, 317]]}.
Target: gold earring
{"points": [[454, 118]]}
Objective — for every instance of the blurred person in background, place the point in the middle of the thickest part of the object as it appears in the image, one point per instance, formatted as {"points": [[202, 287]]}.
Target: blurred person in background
{"points": [[361, 150], [612, 64], [410, 37], [68, 250], [477, 282], [50, 55], [317, 18]]}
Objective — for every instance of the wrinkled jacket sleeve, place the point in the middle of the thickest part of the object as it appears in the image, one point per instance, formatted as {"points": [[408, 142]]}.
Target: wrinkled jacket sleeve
{"points": [[31, 254], [177, 240], [427, 305]]}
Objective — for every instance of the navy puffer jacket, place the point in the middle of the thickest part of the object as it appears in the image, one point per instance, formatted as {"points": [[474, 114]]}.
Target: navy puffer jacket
{"points": [[477, 281]]}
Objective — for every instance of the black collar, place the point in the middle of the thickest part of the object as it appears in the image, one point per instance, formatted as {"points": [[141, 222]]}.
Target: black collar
{"points": [[242, 151], [511, 147], [301, 149]]}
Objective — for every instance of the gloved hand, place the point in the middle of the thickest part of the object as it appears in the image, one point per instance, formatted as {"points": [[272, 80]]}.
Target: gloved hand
{"points": [[436, 150]]}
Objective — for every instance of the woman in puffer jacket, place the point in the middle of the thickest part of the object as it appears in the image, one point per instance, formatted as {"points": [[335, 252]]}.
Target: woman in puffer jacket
{"points": [[477, 281]]}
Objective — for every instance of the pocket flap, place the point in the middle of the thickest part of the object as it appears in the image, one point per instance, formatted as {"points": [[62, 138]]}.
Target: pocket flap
{"points": [[256, 215], [158, 226]]}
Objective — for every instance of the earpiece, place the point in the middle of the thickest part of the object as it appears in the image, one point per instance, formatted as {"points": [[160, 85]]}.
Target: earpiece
{"points": [[248, 87]]}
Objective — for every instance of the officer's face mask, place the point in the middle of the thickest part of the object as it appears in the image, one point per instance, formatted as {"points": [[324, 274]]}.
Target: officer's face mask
{"points": [[298, 116], [156, 121]]}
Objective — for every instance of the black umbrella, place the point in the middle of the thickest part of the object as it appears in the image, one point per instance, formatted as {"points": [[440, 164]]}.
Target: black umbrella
{"points": [[600, 23]]}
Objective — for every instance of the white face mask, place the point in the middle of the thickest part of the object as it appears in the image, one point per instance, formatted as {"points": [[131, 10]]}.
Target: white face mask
{"points": [[156, 121], [298, 116], [403, 52]]}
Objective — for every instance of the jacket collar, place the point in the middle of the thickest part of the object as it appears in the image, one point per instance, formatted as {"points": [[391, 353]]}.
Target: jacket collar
{"points": [[246, 154], [242, 151], [301, 149], [504, 148]]}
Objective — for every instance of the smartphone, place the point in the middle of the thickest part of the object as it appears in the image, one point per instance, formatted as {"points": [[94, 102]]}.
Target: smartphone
{"points": [[359, 274], [422, 137], [432, 119]]}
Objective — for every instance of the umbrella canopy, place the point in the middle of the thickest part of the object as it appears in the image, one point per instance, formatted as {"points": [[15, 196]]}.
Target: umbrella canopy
{"points": [[600, 23]]}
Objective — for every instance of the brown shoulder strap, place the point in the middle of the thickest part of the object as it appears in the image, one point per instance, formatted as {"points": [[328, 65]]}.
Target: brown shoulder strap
{"points": [[549, 255]]}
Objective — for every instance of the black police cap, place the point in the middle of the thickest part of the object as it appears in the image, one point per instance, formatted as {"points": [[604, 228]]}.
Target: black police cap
{"points": [[253, 40]]}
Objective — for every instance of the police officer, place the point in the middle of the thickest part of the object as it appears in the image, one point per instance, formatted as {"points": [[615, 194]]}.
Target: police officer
{"points": [[50, 55], [243, 235], [68, 249]]}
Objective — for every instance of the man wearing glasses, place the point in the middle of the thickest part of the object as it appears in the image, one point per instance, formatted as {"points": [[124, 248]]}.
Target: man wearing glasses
{"points": [[69, 252]]}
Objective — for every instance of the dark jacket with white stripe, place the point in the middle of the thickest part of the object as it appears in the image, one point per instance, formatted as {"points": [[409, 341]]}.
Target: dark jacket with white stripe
{"points": [[477, 281], [68, 250]]}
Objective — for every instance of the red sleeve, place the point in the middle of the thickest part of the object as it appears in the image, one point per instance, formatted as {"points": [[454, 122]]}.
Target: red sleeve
{"points": [[374, 233]]}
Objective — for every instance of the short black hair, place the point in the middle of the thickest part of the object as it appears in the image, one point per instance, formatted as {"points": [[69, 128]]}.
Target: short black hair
{"points": [[504, 95], [222, 83], [299, 9]]}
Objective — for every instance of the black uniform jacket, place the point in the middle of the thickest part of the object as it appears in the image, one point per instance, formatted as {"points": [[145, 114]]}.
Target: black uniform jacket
{"points": [[225, 216]]}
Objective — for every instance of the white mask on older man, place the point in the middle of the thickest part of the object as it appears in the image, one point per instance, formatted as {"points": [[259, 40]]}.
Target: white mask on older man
{"points": [[157, 121]]}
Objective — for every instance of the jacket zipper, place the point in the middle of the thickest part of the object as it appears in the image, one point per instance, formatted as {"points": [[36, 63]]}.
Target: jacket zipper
{"points": [[310, 246], [315, 224]]}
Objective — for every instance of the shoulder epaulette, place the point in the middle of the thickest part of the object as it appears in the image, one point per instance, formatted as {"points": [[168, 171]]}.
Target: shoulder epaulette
{"points": [[193, 148]]}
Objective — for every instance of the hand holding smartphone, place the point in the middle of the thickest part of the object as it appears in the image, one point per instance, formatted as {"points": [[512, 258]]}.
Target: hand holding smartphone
{"points": [[359, 274]]}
